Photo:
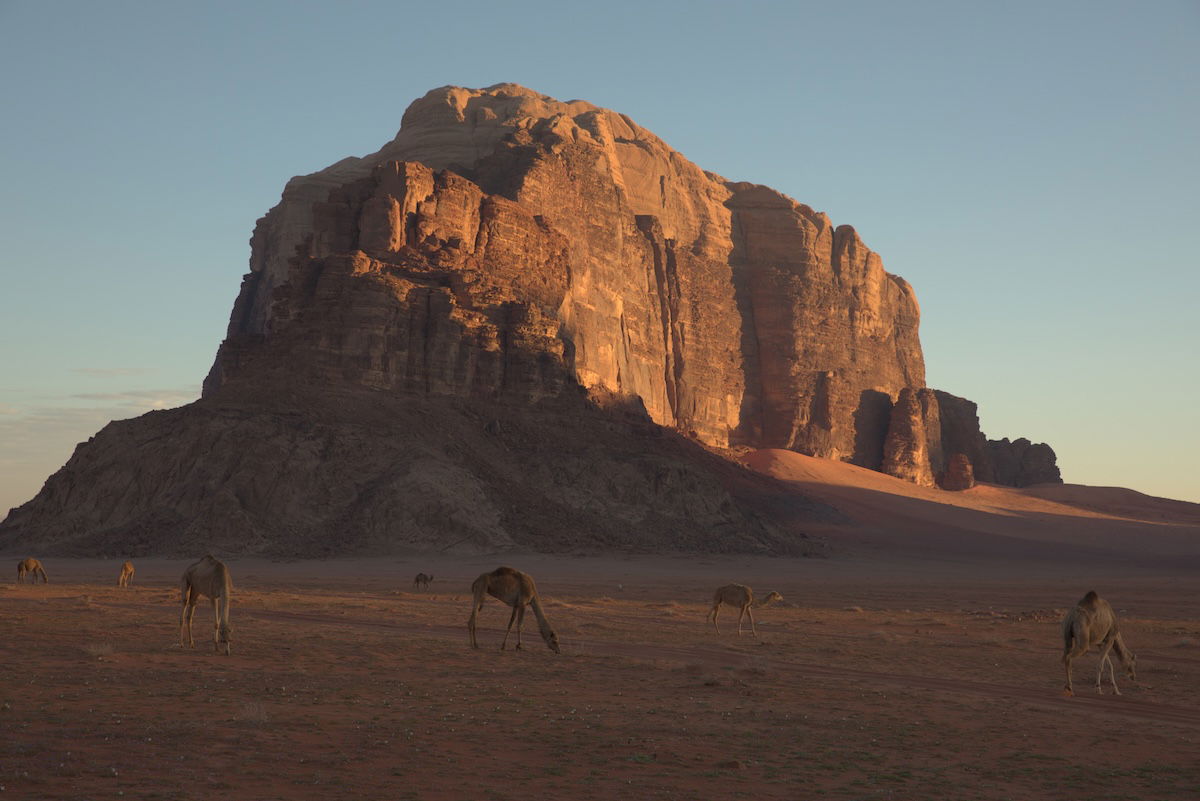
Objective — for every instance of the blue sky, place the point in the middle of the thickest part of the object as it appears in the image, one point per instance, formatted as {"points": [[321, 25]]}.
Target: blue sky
{"points": [[1031, 168]]}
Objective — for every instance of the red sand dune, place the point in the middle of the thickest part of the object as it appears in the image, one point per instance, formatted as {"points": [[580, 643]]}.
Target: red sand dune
{"points": [[1105, 522]]}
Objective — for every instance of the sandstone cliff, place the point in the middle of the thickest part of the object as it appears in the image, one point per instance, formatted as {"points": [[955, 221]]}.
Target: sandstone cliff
{"points": [[501, 226], [616, 313]]}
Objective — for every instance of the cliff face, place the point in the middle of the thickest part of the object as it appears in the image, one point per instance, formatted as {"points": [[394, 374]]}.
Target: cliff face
{"points": [[526, 323], [505, 242], [934, 440]]}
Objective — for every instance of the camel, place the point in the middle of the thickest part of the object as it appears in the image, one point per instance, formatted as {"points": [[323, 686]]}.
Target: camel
{"points": [[422, 580], [206, 577], [1092, 622], [126, 577], [741, 596], [518, 591], [33, 566]]}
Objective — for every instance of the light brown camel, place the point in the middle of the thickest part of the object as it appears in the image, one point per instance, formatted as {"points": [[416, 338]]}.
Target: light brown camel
{"points": [[1092, 622], [206, 577], [28, 566], [741, 596], [422, 580], [126, 577], [518, 591]]}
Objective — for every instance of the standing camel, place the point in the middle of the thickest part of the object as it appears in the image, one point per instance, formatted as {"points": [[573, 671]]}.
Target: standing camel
{"points": [[518, 591], [741, 596], [33, 566], [422, 580], [126, 577], [1092, 622], [206, 577]]}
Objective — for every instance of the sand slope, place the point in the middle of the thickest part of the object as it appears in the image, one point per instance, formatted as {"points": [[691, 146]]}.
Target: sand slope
{"points": [[1051, 520]]}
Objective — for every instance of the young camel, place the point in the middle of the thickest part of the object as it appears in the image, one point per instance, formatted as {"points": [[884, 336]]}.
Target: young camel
{"points": [[31, 566], [206, 577], [422, 580], [741, 596], [518, 591], [126, 577], [1092, 622]]}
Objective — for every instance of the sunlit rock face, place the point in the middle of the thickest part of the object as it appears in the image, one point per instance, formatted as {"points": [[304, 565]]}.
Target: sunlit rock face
{"points": [[524, 323], [509, 245], [934, 439]]}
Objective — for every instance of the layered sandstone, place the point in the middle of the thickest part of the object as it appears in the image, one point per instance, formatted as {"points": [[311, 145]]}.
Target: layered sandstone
{"points": [[556, 277], [934, 438], [505, 242]]}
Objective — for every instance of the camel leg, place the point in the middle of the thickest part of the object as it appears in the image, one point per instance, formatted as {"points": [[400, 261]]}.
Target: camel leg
{"points": [[509, 629], [216, 627], [1112, 676], [753, 628], [471, 627], [741, 615], [191, 615], [1104, 657], [520, 623], [1068, 690], [715, 610], [185, 620]]}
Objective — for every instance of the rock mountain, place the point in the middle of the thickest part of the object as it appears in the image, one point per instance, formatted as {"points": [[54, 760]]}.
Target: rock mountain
{"points": [[527, 323]]}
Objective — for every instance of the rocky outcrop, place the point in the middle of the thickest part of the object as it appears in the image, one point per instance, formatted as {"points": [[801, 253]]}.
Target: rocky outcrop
{"points": [[288, 470], [559, 270], [912, 450], [1021, 463], [927, 425], [961, 433], [506, 244], [959, 474]]}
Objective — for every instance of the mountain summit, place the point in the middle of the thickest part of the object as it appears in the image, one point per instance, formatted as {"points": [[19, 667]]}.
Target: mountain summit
{"points": [[524, 322]]}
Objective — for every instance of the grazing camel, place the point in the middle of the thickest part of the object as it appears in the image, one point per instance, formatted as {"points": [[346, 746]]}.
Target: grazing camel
{"points": [[31, 565], [741, 596], [518, 591], [206, 577], [1092, 622], [126, 577], [422, 580]]}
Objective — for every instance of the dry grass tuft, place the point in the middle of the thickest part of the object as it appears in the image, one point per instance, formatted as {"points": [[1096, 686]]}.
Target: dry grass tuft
{"points": [[252, 713], [98, 649]]}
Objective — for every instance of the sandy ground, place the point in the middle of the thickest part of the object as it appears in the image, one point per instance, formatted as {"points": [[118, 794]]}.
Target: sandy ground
{"points": [[872, 680], [921, 660]]}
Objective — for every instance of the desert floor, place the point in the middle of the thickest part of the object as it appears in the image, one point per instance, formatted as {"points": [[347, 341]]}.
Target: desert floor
{"points": [[875, 678]]}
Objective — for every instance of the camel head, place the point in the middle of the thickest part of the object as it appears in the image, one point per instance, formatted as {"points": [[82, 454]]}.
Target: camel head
{"points": [[551, 640], [772, 598], [1130, 663], [224, 630]]}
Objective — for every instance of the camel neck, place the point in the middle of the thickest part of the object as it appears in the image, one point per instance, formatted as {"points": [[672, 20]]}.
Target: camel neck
{"points": [[536, 605]]}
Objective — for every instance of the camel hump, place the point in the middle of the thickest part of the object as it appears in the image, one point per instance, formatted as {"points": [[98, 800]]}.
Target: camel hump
{"points": [[505, 571], [1090, 599]]}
